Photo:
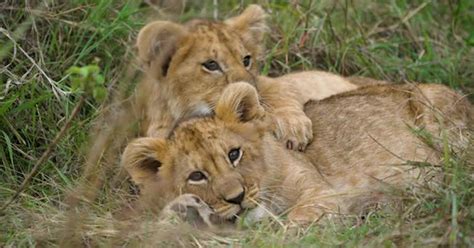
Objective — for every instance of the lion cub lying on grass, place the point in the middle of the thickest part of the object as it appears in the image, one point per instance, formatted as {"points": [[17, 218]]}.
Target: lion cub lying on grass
{"points": [[366, 143]]}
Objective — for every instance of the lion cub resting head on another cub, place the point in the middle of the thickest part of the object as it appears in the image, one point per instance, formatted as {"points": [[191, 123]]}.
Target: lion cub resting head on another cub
{"points": [[187, 66], [365, 143]]}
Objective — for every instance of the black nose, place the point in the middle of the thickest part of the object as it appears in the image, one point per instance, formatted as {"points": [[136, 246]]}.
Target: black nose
{"points": [[237, 200]]}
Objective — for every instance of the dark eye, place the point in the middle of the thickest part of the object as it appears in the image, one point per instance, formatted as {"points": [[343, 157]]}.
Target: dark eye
{"points": [[247, 60], [196, 176], [234, 155], [211, 65]]}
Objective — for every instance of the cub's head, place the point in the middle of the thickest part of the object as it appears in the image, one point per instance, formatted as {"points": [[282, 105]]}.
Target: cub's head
{"points": [[193, 62], [218, 158]]}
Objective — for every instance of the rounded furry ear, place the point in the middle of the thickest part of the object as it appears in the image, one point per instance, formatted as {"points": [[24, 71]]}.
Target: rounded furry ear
{"points": [[250, 25], [239, 103], [141, 158], [157, 42]]}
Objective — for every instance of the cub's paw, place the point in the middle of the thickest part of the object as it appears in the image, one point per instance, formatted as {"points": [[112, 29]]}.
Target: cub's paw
{"points": [[293, 128], [191, 209], [301, 216]]}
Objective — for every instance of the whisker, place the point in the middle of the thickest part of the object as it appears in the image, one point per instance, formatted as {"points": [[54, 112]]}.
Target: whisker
{"points": [[270, 213]]}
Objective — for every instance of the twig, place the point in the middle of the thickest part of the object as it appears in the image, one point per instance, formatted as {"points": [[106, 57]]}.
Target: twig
{"points": [[46, 153], [403, 20]]}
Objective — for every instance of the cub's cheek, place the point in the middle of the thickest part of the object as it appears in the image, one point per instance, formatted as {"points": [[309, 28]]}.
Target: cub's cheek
{"points": [[201, 109]]}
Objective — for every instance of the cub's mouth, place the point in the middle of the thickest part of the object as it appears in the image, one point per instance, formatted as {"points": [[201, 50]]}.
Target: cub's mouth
{"points": [[232, 218], [232, 212], [247, 215]]}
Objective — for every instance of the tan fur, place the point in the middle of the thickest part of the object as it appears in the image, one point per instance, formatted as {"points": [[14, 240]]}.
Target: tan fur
{"points": [[177, 85], [365, 145], [317, 85]]}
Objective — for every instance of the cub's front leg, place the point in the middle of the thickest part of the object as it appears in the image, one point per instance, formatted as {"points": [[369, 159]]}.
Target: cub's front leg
{"points": [[291, 125], [310, 195], [313, 205]]}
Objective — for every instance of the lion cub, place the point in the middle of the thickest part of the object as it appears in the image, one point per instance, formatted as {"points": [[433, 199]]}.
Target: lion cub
{"points": [[188, 66], [366, 143]]}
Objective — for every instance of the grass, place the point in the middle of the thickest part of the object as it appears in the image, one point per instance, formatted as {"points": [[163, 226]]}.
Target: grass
{"points": [[399, 41]]}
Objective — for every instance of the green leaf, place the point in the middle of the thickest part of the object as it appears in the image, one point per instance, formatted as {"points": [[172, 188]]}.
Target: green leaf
{"points": [[470, 39], [99, 79], [75, 84], [87, 79], [99, 93]]}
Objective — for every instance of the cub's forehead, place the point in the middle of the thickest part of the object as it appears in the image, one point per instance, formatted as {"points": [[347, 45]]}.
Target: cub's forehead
{"points": [[206, 26], [207, 32], [197, 133]]}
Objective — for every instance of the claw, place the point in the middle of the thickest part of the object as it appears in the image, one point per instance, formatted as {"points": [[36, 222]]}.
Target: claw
{"points": [[301, 147]]}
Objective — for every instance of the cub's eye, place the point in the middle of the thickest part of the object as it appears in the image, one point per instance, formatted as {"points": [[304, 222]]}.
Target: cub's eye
{"points": [[197, 176], [247, 60], [235, 155], [211, 65]]}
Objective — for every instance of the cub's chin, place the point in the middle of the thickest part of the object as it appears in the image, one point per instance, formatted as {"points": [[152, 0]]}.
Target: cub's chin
{"points": [[256, 214], [233, 211]]}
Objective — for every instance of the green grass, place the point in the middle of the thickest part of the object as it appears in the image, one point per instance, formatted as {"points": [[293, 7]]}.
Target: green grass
{"points": [[399, 41]]}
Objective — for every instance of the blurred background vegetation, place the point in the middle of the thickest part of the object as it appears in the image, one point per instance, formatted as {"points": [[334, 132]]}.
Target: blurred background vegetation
{"points": [[395, 40]]}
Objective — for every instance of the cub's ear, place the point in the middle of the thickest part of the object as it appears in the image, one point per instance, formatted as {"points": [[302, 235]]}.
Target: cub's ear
{"points": [[141, 158], [251, 26], [157, 42], [239, 103]]}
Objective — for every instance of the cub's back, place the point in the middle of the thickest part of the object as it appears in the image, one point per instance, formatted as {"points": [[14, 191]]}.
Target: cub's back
{"points": [[370, 131]]}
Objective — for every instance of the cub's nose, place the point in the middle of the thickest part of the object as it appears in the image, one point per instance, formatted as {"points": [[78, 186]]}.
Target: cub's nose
{"points": [[237, 200]]}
